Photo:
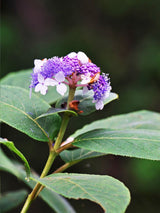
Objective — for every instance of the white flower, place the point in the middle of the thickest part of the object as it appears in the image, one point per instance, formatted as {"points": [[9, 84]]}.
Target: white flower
{"points": [[72, 55], [82, 57], [85, 80], [38, 65], [43, 84], [99, 104], [61, 87], [85, 90], [106, 94]]}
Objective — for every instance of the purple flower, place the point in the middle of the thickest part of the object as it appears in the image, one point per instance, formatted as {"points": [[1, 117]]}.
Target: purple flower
{"points": [[101, 89], [49, 68], [58, 82], [43, 84], [38, 64], [90, 68], [55, 65], [75, 70], [76, 60]]}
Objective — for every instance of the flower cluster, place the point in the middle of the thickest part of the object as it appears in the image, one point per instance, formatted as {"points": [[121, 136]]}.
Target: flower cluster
{"points": [[75, 70]]}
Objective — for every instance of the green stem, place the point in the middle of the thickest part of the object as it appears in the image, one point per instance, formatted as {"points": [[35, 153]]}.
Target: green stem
{"points": [[66, 166], [46, 169], [52, 155], [61, 131], [65, 120], [71, 96]]}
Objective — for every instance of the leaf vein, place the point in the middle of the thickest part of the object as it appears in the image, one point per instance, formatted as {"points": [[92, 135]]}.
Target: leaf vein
{"points": [[23, 112]]}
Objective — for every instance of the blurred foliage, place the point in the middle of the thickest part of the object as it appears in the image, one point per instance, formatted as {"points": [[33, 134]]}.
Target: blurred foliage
{"points": [[122, 37], [146, 175]]}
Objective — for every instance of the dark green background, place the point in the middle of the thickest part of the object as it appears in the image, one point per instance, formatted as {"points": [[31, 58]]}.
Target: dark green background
{"points": [[122, 37]]}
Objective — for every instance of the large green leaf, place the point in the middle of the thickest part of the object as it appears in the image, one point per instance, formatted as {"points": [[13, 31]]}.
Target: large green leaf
{"points": [[23, 79], [11, 200], [140, 143], [78, 154], [12, 147], [108, 192], [138, 120], [20, 78], [20, 112], [85, 101], [55, 201]]}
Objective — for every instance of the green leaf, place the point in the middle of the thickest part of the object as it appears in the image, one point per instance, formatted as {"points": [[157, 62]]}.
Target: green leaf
{"points": [[52, 111], [78, 154], [108, 192], [20, 79], [23, 79], [11, 200], [88, 107], [85, 100], [20, 112], [140, 143], [12, 147], [7, 165], [138, 120], [55, 201]]}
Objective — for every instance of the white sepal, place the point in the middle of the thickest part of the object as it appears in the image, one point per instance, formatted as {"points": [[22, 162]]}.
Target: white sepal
{"points": [[85, 90], [61, 89], [50, 82], [60, 76], [82, 57], [99, 105], [72, 55]]}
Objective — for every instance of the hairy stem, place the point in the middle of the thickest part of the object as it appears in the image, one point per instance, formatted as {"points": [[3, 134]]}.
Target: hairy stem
{"points": [[52, 154]]}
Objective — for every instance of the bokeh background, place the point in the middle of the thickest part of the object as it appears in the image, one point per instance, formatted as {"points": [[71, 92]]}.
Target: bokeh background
{"points": [[123, 38]]}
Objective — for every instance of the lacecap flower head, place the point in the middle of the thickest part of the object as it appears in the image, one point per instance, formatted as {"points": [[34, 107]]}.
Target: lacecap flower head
{"points": [[74, 70]]}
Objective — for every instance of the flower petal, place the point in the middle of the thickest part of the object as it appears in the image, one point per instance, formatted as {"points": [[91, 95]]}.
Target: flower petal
{"points": [[106, 95], [85, 79], [82, 57], [38, 65], [37, 62], [50, 82], [85, 90], [38, 87], [72, 55], [99, 105], [60, 76], [43, 90], [61, 89], [40, 78]]}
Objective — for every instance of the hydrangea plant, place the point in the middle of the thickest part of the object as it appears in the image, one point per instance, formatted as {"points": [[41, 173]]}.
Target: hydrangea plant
{"points": [[74, 70], [75, 86]]}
